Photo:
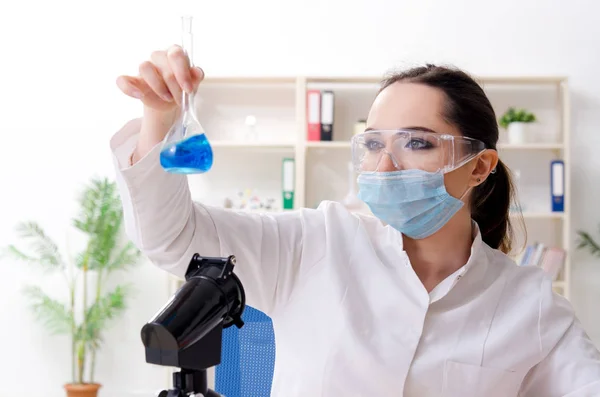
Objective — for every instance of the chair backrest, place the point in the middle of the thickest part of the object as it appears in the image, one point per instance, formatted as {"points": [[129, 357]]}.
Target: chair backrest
{"points": [[247, 357]]}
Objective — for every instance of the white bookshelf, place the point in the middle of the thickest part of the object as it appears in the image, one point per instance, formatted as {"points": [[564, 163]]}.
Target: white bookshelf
{"points": [[279, 105]]}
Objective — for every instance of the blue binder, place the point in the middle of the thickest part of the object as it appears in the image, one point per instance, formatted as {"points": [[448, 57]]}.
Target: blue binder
{"points": [[557, 185]]}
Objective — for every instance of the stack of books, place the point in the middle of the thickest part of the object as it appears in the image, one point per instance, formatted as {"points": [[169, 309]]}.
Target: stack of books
{"points": [[551, 259]]}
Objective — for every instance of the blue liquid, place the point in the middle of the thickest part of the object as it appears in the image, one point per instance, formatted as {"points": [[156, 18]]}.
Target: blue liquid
{"points": [[190, 156]]}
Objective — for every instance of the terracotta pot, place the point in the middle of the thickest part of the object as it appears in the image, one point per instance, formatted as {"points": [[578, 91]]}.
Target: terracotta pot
{"points": [[82, 390]]}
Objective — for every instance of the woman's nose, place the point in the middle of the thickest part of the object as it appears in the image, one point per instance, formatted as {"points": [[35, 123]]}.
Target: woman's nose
{"points": [[387, 163]]}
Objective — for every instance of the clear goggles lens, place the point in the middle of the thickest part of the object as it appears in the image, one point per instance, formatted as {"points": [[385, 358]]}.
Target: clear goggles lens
{"points": [[380, 151]]}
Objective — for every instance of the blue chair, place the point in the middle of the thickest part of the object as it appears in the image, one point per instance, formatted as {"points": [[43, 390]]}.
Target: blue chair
{"points": [[247, 357]]}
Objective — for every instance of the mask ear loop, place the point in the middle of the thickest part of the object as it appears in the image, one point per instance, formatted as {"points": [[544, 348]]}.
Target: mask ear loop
{"points": [[466, 192], [471, 187], [478, 179]]}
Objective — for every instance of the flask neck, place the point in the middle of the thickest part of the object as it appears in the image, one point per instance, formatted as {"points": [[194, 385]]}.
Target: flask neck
{"points": [[187, 43], [187, 38], [186, 101]]}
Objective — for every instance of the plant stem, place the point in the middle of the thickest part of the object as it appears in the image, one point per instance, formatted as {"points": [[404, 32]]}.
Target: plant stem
{"points": [[98, 293], [84, 320], [73, 331], [93, 365], [80, 361], [69, 274]]}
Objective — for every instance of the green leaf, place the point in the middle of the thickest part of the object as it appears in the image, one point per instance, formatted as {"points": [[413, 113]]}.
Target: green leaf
{"points": [[516, 115], [125, 258], [586, 241], [101, 219], [15, 253], [105, 309], [55, 317], [44, 251]]}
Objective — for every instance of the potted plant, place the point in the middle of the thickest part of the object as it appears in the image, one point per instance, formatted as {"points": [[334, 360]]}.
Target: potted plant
{"points": [[91, 304], [516, 121]]}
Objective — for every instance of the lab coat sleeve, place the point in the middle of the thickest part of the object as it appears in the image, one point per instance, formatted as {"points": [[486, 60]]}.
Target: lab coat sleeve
{"points": [[164, 222], [570, 363]]}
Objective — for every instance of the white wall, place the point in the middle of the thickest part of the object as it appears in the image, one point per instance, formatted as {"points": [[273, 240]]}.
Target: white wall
{"points": [[59, 107]]}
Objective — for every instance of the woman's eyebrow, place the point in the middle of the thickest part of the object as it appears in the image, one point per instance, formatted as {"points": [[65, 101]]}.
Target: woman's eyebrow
{"points": [[419, 128]]}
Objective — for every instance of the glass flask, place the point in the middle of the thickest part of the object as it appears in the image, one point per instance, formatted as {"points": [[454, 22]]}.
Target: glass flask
{"points": [[186, 149]]}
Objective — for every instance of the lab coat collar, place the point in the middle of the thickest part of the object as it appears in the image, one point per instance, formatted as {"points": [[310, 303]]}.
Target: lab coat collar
{"points": [[477, 248], [477, 258]]}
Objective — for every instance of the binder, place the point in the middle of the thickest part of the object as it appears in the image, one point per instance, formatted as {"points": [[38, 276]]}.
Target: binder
{"points": [[288, 183], [557, 185], [327, 102], [554, 262], [313, 115], [526, 258]]}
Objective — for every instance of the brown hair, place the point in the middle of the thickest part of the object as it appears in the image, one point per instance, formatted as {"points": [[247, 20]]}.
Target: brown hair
{"points": [[469, 109]]}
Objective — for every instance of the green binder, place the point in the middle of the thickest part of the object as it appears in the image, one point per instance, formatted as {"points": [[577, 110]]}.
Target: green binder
{"points": [[287, 183]]}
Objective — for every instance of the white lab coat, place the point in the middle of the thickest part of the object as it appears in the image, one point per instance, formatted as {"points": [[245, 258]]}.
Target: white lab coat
{"points": [[351, 318]]}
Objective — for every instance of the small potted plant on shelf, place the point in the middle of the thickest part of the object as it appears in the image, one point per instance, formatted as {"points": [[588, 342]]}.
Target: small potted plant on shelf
{"points": [[91, 305], [516, 122]]}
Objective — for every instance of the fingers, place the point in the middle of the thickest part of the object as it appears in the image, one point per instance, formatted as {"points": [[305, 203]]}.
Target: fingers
{"points": [[180, 66], [161, 64], [152, 77], [163, 79], [129, 86], [137, 87]]}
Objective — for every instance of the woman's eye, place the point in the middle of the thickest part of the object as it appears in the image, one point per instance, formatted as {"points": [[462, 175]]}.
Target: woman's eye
{"points": [[374, 145], [418, 144]]}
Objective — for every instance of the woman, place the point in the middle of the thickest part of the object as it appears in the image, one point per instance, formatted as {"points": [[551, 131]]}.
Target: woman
{"points": [[420, 301]]}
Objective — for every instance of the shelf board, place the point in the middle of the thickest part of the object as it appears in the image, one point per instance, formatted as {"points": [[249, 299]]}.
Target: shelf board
{"points": [[345, 79], [263, 80], [329, 144], [521, 79], [251, 144], [540, 215], [531, 146], [481, 79], [559, 284], [372, 79]]}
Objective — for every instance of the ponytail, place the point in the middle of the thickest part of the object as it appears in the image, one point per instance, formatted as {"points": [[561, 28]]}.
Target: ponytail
{"points": [[490, 208]]}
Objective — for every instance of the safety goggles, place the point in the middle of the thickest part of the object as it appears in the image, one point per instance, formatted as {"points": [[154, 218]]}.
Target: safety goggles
{"points": [[390, 150]]}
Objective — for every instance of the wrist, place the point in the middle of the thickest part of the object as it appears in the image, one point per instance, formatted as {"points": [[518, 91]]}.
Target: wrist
{"points": [[155, 125]]}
